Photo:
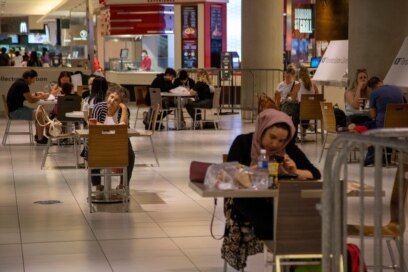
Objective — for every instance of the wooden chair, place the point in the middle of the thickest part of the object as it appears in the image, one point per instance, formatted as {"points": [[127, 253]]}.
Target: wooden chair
{"points": [[329, 123], [392, 230], [149, 133], [214, 112], [7, 131], [310, 110], [396, 116], [107, 149], [140, 103], [298, 224]]}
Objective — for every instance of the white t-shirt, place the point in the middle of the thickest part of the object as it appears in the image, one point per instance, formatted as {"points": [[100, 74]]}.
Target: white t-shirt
{"points": [[109, 120], [284, 89], [303, 90]]}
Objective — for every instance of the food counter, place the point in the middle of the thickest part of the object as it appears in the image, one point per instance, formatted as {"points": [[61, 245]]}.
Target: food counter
{"points": [[131, 78]]}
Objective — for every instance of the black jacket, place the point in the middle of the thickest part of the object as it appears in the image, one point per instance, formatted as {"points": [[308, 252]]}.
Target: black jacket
{"points": [[240, 151]]}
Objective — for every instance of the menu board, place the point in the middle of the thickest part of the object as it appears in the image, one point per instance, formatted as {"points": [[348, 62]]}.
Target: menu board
{"points": [[189, 36], [216, 35], [216, 22], [189, 22], [190, 53]]}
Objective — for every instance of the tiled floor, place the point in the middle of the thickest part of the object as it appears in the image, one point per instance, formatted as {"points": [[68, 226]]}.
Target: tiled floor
{"points": [[166, 229]]}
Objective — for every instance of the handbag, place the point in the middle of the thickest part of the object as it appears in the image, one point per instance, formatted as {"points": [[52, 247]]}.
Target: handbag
{"points": [[54, 125], [198, 170], [288, 105], [265, 102]]}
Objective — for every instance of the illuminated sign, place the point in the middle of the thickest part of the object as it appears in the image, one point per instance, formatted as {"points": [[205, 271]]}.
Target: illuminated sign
{"points": [[303, 20]]}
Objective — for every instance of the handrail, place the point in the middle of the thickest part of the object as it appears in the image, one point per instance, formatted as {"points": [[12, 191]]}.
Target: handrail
{"points": [[334, 208]]}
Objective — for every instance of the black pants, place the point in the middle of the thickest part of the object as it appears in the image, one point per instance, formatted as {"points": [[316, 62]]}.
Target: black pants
{"points": [[206, 103], [258, 211], [96, 180]]}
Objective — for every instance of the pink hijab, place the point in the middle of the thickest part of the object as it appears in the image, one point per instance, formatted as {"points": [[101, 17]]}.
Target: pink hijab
{"points": [[265, 120]]}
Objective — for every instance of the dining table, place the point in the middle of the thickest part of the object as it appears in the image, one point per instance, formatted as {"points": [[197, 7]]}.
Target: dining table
{"points": [[179, 105]]}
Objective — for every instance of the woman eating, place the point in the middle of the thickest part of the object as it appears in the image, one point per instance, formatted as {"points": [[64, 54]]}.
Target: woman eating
{"points": [[250, 219]]}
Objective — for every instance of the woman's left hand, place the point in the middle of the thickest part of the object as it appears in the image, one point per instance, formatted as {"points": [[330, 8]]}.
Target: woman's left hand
{"points": [[289, 165]]}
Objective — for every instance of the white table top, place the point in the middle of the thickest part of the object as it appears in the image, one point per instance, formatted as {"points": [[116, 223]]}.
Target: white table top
{"points": [[353, 190], [205, 191], [47, 102], [84, 133], [75, 114], [176, 94]]}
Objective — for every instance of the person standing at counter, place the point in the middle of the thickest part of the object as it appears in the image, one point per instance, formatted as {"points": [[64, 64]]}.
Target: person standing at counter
{"points": [[146, 61], [20, 91], [34, 61]]}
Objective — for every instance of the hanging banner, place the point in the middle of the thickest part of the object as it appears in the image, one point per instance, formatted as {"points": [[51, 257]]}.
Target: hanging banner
{"points": [[333, 66], [397, 74]]}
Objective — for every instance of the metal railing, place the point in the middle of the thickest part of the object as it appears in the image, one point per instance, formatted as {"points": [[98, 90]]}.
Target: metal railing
{"points": [[241, 86], [334, 203]]}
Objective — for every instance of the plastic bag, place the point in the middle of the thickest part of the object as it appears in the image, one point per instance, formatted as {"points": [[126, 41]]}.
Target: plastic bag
{"points": [[232, 175]]}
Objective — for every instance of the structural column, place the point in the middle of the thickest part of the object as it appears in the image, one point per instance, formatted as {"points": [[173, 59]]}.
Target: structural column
{"points": [[262, 42], [377, 29]]}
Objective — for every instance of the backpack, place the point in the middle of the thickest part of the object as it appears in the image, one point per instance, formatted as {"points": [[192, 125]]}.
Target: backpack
{"points": [[353, 258], [341, 120]]}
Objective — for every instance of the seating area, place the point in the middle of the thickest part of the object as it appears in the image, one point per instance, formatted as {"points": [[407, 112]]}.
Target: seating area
{"points": [[166, 227]]}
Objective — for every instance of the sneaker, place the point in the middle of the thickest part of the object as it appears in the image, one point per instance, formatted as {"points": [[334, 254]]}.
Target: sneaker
{"points": [[100, 187], [43, 141]]}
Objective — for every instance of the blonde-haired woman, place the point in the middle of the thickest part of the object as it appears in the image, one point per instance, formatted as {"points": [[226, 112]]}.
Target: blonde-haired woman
{"points": [[204, 92], [358, 90]]}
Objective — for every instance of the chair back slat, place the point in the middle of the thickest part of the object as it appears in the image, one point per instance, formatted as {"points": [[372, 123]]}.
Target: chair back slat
{"points": [[394, 201], [6, 110], [140, 95], [155, 97], [66, 104], [298, 222], [396, 116], [108, 146], [329, 119], [310, 107], [216, 98]]}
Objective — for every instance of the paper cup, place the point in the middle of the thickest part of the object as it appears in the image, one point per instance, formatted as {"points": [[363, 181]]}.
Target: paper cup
{"points": [[92, 121]]}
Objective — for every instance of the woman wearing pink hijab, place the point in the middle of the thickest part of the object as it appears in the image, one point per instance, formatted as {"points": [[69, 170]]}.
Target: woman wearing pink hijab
{"points": [[249, 220]]}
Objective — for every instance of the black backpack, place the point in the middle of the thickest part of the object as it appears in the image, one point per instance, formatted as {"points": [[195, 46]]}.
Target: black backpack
{"points": [[341, 120]]}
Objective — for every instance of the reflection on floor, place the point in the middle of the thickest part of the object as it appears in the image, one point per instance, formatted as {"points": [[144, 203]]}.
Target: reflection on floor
{"points": [[166, 229]]}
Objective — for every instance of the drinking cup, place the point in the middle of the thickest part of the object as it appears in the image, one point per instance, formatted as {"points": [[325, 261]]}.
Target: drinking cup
{"points": [[92, 121]]}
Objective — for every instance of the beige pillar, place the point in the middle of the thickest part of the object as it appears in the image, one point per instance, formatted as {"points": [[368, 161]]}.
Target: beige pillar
{"points": [[261, 42], [377, 29]]}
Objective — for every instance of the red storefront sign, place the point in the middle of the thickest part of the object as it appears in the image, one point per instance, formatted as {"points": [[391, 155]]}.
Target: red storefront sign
{"points": [[140, 19]]}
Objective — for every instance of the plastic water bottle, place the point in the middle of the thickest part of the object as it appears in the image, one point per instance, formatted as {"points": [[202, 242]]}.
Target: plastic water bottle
{"points": [[263, 160]]}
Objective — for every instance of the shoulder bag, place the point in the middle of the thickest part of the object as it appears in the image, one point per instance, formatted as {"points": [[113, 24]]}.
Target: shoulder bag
{"points": [[54, 126], [288, 105]]}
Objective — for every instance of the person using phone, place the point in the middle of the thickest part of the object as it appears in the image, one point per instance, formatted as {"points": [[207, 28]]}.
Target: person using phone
{"points": [[274, 131]]}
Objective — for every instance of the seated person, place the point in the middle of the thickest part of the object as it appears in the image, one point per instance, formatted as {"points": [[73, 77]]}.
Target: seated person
{"points": [[183, 80], [381, 95], [110, 112], [204, 92], [250, 219], [164, 82], [98, 89], [66, 89], [64, 77], [19, 92], [359, 89]]}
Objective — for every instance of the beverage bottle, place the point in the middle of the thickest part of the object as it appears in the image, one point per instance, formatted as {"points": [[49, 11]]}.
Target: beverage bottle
{"points": [[273, 170], [263, 160]]}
